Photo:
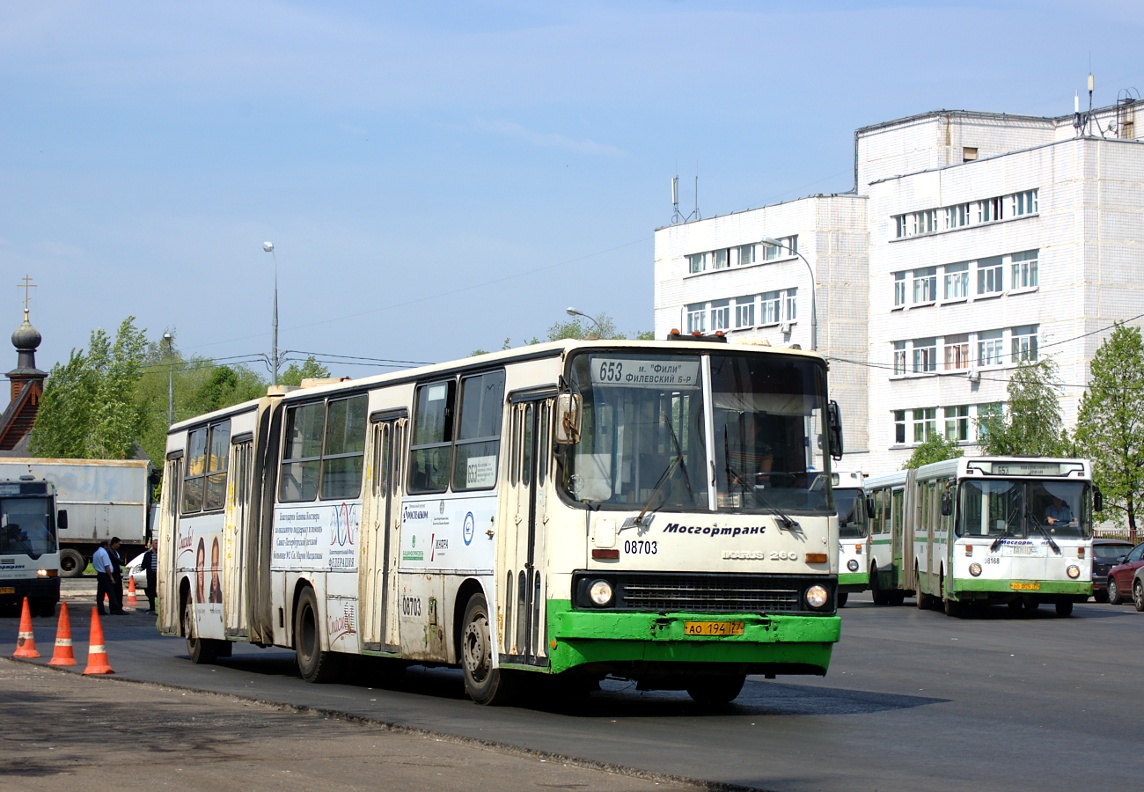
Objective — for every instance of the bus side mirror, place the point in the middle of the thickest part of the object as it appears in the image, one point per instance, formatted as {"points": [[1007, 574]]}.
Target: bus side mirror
{"points": [[568, 415], [946, 504], [1097, 499], [62, 520], [834, 420], [870, 507]]}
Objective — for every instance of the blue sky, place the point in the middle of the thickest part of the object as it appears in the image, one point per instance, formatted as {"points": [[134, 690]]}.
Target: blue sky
{"points": [[438, 177]]}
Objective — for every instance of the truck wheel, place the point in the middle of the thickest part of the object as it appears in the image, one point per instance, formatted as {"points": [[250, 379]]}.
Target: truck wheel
{"points": [[72, 563], [483, 683], [201, 650], [313, 664]]}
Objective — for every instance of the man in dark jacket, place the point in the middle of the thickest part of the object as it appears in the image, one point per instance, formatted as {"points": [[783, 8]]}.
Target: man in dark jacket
{"points": [[151, 567]]}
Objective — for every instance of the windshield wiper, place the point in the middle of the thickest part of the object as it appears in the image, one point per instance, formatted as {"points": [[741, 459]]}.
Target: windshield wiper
{"points": [[676, 461], [1045, 534], [1000, 539]]}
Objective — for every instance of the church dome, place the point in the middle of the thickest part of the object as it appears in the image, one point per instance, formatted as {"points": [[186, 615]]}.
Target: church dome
{"points": [[26, 338]]}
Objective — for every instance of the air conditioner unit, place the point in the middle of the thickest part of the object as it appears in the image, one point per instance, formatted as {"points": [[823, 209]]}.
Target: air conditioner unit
{"points": [[785, 327], [974, 374]]}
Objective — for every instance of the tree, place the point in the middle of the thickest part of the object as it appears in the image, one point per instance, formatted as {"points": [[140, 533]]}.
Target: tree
{"points": [[1110, 427], [89, 408], [934, 449], [310, 369], [1031, 423]]}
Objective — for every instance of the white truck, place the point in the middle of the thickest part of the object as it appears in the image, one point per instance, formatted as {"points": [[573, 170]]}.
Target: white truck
{"points": [[103, 498]]}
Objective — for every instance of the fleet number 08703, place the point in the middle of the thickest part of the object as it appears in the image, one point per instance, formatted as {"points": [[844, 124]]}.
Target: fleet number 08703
{"points": [[640, 547]]}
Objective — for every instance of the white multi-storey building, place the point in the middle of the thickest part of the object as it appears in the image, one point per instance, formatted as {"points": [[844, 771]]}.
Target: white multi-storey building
{"points": [[972, 241]]}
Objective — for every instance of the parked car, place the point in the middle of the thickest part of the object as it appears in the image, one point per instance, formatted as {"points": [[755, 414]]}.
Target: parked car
{"points": [[1138, 590], [1105, 555], [136, 572], [1121, 574]]}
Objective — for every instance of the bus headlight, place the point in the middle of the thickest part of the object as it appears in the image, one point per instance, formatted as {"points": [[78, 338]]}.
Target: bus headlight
{"points": [[600, 592], [975, 569], [1073, 571], [816, 596], [852, 565]]}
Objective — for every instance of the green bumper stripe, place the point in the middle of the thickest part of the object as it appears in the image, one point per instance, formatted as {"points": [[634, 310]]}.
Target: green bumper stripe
{"points": [[582, 637], [854, 579], [1007, 586]]}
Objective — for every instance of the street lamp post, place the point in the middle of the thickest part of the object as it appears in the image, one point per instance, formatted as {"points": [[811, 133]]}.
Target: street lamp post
{"points": [[573, 312], [170, 379], [269, 248], [813, 301]]}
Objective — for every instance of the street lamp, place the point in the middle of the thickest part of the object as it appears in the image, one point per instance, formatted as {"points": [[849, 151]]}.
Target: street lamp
{"points": [[813, 302], [268, 247], [170, 339], [573, 312]]}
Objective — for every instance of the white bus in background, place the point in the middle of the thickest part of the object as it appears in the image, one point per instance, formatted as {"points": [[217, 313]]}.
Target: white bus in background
{"points": [[854, 540], [991, 530], [576, 509]]}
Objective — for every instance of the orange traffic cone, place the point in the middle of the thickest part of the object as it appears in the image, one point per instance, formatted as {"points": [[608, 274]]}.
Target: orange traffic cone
{"points": [[63, 655], [96, 651], [131, 598], [26, 643]]}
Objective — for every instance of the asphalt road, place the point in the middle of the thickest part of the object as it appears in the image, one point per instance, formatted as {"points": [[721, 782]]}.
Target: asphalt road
{"points": [[914, 699]]}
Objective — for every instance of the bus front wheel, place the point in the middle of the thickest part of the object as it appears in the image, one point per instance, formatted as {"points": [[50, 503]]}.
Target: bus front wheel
{"points": [[483, 683], [201, 650], [313, 664], [713, 691]]}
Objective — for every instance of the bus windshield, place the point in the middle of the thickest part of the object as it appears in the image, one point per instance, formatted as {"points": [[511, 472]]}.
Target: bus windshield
{"points": [[1024, 508], [26, 527], [851, 505], [643, 440]]}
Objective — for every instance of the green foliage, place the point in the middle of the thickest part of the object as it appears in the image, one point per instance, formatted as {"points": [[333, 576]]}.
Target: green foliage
{"points": [[1031, 423], [1110, 427], [310, 369], [601, 326], [89, 408], [934, 449]]}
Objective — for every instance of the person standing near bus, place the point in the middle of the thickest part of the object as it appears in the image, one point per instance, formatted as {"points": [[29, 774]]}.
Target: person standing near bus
{"points": [[101, 560], [150, 565], [116, 577]]}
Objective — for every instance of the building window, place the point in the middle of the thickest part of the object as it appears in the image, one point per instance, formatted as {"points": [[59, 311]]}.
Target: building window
{"points": [[956, 281], [1024, 203], [925, 355], [990, 276], [746, 255], [788, 246], [957, 352], [695, 262], [900, 427], [790, 305], [1025, 344], [899, 357], [925, 285], [1025, 269], [721, 315], [900, 228], [771, 308], [925, 222], [990, 348], [899, 289], [984, 412], [925, 423], [956, 216], [969, 154], [697, 318], [744, 312], [957, 423], [719, 259], [990, 210]]}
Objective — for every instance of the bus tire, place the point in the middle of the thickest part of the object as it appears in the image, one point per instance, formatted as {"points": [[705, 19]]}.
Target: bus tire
{"points": [[951, 606], [877, 593], [925, 601], [484, 684], [72, 563], [1114, 597], [896, 597], [1065, 608], [842, 597], [313, 664], [202, 651], [716, 691]]}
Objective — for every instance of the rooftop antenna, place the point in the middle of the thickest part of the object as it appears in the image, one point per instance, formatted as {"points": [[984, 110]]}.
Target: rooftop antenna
{"points": [[677, 216]]}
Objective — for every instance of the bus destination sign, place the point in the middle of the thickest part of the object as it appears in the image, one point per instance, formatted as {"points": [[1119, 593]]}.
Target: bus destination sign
{"points": [[673, 372]]}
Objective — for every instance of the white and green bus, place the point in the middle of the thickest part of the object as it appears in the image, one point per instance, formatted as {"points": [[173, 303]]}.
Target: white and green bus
{"points": [[855, 542], [986, 530], [576, 508]]}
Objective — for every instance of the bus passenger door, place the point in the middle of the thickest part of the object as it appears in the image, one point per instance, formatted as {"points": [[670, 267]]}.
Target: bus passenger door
{"points": [[522, 593], [381, 520], [234, 532]]}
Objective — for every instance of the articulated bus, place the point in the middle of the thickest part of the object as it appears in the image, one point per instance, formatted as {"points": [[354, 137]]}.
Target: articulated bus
{"points": [[855, 542], [580, 509], [986, 530]]}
